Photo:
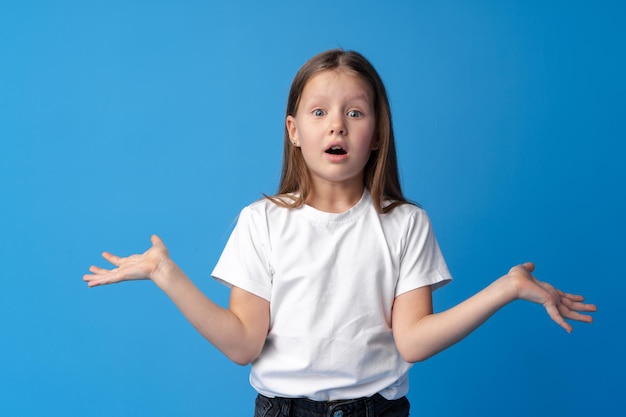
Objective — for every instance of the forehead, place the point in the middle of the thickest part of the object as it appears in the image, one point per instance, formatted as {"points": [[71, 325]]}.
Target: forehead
{"points": [[337, 82]]}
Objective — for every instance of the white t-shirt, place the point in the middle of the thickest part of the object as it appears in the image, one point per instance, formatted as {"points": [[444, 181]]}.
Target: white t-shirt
{"points": [[331, 280]]}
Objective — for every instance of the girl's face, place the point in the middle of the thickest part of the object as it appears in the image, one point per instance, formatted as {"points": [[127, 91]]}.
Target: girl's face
{"points": [[334, 127]]}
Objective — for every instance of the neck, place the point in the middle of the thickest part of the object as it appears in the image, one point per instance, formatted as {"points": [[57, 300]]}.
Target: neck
{"points": [[334, 198]]}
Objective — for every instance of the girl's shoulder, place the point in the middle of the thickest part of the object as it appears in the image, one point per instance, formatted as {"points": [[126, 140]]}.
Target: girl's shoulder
{"points": [[267, 206], [281, 201], [402, 208], [407, 216]]}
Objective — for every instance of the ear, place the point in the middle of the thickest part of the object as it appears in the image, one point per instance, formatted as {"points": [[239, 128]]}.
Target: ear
{"points": [[292, 130]]}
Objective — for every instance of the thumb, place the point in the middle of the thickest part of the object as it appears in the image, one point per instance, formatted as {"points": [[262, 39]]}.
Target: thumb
{"points": [[530, 266], [156, 241]]}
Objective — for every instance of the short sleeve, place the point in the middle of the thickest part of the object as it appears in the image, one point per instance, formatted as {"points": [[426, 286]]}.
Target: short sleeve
{"points": [[422, 263], [244, 262]]}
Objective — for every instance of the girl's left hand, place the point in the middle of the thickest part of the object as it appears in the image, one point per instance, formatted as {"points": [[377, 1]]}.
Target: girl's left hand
{"points": [[559, 305]]}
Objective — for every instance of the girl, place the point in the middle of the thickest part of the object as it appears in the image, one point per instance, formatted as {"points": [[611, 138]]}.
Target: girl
{"points": [[331, 279]]}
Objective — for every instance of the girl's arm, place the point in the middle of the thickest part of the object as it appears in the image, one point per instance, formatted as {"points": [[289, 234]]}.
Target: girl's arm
{"points": [[239, 331], [420, 334]]}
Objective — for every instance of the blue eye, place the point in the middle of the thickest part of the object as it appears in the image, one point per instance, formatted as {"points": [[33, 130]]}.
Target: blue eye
{"points": [[318, 112], [354, 113]]}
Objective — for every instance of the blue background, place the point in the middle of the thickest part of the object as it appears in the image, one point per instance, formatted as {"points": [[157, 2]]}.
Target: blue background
{"points": [[120, 119]]}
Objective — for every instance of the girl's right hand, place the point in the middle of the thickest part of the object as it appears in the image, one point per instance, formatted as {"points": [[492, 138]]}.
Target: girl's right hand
{"points": [[134, 267], [559, 304]]}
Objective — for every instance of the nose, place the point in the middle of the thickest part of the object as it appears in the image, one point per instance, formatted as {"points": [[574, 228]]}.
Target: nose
{"points": [[338, 126]]}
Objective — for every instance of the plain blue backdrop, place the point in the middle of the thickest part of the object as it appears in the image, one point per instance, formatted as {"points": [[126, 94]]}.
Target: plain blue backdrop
{"points": [[119, 119]]}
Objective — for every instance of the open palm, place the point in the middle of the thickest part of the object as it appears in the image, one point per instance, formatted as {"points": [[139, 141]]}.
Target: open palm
{"points": [[133, 267]]}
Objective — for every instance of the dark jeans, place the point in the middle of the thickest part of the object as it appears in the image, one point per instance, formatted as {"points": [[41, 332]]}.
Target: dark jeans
{"points": [[376, 406]]}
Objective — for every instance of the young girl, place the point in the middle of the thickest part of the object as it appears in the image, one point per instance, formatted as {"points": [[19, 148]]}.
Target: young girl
{"points": [[331, 279]]}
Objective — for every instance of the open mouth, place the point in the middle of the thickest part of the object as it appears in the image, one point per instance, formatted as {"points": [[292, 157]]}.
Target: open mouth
{"points": [[336, 150]]}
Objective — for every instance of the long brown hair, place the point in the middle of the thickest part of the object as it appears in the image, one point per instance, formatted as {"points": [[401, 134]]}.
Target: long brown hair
{"points": [[380, 175]]}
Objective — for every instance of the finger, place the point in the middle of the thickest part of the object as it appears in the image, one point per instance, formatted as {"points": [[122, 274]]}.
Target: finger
{"points": [[89, 277], [574, 315], [563, 295], [112, 277], [590, 308], [574, 304], [115, 260], [587, 307], [555, 315], [97, 270], [573, 297], [91, 280], [95, 283], [156, 241]]}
